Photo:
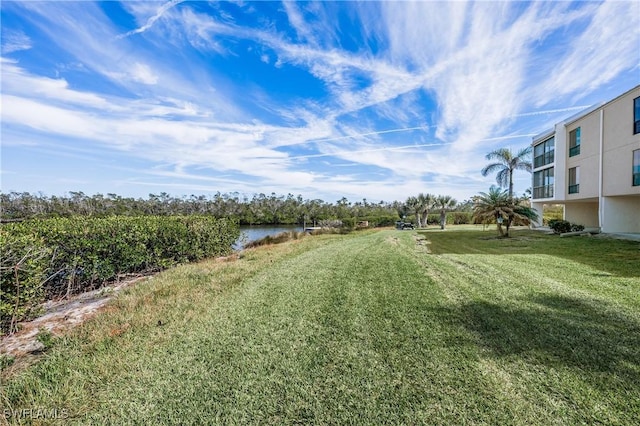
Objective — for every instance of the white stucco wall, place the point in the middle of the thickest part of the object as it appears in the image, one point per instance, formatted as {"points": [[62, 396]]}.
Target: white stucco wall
{"points": [[539, 208], [582, 213], [621, 214], [619, 144]]}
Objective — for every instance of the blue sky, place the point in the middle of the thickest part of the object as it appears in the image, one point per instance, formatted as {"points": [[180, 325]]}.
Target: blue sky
{"points": [[375, 100]]}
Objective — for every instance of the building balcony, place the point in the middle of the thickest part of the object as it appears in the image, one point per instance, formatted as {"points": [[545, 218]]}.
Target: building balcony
{"points": [[543, 160], [543, 191], [574, 189]]}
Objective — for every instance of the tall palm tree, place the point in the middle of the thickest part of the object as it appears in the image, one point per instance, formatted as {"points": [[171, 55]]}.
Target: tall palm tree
{"points": [[444, 203], [506, 164], [498, 206]]}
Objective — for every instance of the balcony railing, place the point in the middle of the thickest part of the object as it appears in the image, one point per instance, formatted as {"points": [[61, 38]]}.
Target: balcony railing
{"points": [[574, 189], [574, 150], [543, 159], [636, 179], [543, 191]]}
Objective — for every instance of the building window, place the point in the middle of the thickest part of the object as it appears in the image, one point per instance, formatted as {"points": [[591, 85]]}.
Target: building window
{"points": [[636, 115], [636, 167], [574, 180], [543, 153], [574, 142], [543, 183]]}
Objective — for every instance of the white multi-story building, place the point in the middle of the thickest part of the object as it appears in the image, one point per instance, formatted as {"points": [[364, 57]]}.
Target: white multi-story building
{"points": [[590, 163]]}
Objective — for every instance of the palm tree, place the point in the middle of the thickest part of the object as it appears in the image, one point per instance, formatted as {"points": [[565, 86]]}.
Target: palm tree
{"points": [[426, 203], [506, 164], [414, 207], [498, 206], [444, 203]]}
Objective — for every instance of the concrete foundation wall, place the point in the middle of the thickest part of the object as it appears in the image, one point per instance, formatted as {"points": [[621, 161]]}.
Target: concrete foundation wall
{"points": [[539, 208], [621, 214], [582, 214]]}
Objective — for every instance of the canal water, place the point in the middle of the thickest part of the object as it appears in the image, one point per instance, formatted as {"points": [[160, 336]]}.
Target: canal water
{"points": [[253, 233]]}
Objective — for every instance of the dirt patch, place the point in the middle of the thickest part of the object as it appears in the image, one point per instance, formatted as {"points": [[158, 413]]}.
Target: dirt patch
{"points": [[422, 244], [61, 316]]}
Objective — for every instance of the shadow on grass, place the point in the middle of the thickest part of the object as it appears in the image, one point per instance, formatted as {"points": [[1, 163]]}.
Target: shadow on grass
{"points": [[560, 331]]}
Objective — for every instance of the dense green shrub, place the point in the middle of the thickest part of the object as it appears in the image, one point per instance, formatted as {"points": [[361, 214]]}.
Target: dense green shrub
{"points": [[559, 226], [380, 220], [349, 223], [433, 219], [562, 226], [453, 218], [24, 261], [62, 256], [459, 218]]}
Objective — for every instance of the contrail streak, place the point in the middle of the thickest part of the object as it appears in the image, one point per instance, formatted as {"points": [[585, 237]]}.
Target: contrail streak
{"points": [[380, 132], [399, 148], [360, 151], [153, 19], [551, 111]]}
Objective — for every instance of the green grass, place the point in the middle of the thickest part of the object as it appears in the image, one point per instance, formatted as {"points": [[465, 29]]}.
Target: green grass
{"points": [[452, 327]]}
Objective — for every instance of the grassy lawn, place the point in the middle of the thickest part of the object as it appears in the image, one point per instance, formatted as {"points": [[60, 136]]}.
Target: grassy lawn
{"points": [[400, 327]]}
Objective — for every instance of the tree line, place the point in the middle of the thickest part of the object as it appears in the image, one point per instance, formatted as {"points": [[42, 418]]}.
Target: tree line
{"points": [[496, 206], [260, 209]]}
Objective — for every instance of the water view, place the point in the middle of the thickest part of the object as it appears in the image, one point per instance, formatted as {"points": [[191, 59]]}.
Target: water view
{"points": [[253, 233]]}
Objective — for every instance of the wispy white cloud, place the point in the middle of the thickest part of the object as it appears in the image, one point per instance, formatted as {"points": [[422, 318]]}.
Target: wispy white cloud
{"points": [[136, 72], [444, 81], [609, 44], [15, 41]]}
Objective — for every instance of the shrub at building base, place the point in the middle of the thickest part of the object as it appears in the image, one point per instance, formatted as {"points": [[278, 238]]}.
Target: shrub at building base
{"points": [[563, 226]]}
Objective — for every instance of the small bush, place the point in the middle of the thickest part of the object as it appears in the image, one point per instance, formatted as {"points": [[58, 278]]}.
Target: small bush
{"points": [[559, 226], [563, 226], [6, 361], [45, 337]]}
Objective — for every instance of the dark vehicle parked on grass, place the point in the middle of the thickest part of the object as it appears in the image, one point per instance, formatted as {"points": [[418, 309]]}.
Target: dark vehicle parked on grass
{"points": [[404, 225]]}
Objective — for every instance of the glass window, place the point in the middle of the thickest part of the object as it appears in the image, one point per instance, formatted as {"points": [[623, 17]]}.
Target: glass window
{"points": [[543, 153], [543, 183], [636, 115], [574, 142], [574, 180], [636, 167]]}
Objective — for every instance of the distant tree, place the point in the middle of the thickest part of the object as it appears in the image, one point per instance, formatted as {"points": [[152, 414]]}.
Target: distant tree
{"points": [[414, 206], [506, 164], [426, 203], [444, 203]]}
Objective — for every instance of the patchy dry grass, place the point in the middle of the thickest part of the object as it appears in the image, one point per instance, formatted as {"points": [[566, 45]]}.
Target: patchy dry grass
{"points": [[364, 328]]}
